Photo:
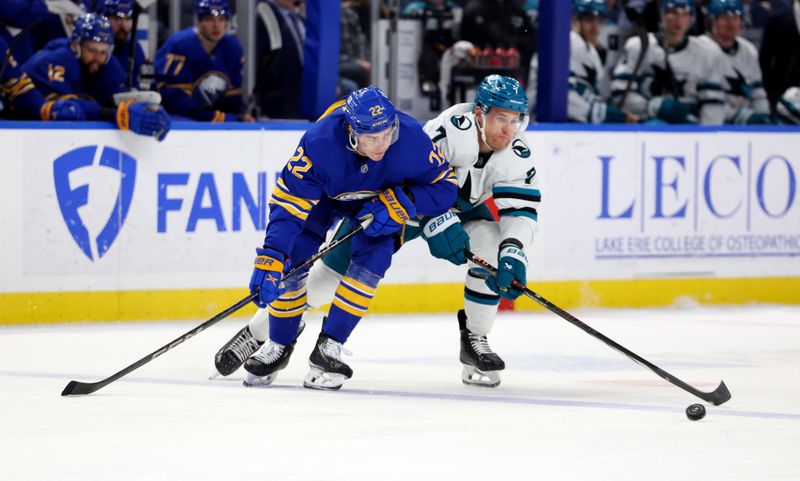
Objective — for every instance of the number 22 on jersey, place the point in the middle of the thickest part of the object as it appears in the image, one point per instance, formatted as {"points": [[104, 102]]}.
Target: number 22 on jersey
{"points": [[299, 163]]}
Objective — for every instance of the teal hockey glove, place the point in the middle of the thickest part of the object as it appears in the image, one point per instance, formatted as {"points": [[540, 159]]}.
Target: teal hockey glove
{"points": [[513, 265], [446, 238]]}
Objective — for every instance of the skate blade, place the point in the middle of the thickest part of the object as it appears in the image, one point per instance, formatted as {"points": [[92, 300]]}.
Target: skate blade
{"points": [[472, 376], [327, 381], [251, 380]]}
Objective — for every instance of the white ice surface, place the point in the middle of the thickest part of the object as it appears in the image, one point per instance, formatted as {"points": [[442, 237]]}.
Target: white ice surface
{"points": [[569, 407]]}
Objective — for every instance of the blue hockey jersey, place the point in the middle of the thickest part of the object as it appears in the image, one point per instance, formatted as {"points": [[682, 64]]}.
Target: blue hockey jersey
{"points": [[18, 95], [199, 85], [57, 73], [324, 166], [122, 52]]}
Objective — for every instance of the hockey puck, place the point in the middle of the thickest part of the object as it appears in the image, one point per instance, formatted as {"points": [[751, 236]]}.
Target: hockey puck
{"points": [[696, 412]]}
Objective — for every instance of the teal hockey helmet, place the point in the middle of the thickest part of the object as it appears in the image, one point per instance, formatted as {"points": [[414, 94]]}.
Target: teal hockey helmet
{"points": [[724, 7], [502, 92], [589, 8], [672, 4]]}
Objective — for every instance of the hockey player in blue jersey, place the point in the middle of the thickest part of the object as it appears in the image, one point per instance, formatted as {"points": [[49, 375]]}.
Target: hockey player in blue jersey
{"points": [[199, 70], [483, 143], [19, 98], [120, 15], [82, 68], [361, 159]]}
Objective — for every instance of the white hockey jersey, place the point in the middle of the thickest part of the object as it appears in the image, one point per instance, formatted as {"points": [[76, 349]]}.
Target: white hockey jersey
{"points": [[742, 80], [587, 76], [509, 174], [691, 74]]}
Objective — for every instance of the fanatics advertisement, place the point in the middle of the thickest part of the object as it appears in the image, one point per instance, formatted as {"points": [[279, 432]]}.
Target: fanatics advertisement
{"points": [[86, 210]]}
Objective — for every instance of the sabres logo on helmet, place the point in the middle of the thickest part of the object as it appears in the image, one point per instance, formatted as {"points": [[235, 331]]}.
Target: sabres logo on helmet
{"points": [[115, 8], [368, 110], [215, 8], [90, 26]]}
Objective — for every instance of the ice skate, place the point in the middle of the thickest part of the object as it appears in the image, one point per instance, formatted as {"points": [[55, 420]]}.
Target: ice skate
{"points": [[262, 368], [232, 355], [327, 370], [481, 364]]}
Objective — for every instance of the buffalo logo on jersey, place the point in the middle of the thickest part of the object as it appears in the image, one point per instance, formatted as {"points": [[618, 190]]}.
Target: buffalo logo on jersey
{"points": [[519, 148], [72, 198], [461, 122]]}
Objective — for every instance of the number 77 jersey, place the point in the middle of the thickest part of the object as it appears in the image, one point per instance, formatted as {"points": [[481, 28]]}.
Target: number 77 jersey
{"points": [[508, 175]]}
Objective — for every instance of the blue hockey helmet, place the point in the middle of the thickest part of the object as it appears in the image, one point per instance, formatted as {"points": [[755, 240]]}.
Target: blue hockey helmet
{"points": [[91, 26], [672, 4], [589, 8], [723, 7], [369, 111], [502, 92], [115, 8], [214, 8]]}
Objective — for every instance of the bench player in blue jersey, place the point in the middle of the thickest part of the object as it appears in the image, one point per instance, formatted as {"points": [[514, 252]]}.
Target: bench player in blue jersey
{"points": [[120, 15], [362, 158], [199, 70], [83, 69], [20, 99]]}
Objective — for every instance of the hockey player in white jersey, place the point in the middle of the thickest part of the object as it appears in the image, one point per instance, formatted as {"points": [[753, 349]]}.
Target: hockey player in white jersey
{"points": [[588, 80], [745, 98], [679, 80], [587, 76], [483, 143], [787, 111]]}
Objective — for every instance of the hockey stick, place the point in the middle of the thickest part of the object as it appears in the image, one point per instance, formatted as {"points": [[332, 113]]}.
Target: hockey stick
{"points": [[644, 42], [138, 7], [716, 397], [76, 387]]}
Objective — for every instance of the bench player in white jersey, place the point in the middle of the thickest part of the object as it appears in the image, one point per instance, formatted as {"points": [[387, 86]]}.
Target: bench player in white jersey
{"points": [[587, 76], [745, 98], [483, 143], [679, 80]]}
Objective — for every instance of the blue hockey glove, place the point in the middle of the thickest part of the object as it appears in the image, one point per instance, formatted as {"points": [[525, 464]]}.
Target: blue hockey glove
{"points": [[446, 238], [62, 110], [266, 278], [390, 210], [512, 267], [144, 119]]}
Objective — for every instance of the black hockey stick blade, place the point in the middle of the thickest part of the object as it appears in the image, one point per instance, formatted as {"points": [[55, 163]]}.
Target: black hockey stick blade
{"points": [[715, 397], [75, 388]]}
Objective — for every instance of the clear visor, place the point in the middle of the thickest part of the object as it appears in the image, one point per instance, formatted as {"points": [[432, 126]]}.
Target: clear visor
{"points": [[504, 122], [375, 139]]}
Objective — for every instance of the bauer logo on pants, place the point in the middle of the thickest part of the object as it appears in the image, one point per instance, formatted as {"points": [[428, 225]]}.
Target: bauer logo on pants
{"points": [[73, 195]]}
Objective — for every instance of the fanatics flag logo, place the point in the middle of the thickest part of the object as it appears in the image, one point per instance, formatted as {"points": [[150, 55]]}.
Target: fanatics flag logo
{"points": [[71, 198]]}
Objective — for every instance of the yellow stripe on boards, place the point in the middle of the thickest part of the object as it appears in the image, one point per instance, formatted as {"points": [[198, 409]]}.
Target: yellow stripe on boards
{"points": [[52, 307]]}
